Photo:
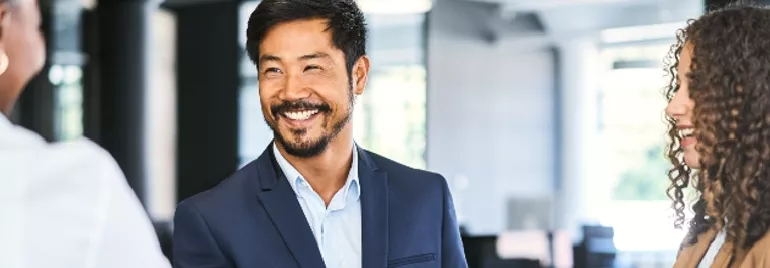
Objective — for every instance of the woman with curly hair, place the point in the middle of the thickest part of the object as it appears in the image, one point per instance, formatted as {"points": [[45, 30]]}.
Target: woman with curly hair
{"points": [[719, 116]]}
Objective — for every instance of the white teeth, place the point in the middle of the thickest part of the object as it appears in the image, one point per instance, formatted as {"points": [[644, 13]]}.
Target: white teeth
{"points": [[303, 115], [685, 132]]}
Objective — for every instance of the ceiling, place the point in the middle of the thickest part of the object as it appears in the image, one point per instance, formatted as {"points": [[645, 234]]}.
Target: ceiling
{"points": [[565, 16], [557, 17], [193, 2]]}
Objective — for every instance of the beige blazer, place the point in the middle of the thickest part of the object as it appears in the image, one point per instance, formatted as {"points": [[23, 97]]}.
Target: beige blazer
{"points": [[756, 257]]}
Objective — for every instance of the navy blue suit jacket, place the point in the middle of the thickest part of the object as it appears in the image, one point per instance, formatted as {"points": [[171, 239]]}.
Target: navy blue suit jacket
{"points": [[253, 219]]}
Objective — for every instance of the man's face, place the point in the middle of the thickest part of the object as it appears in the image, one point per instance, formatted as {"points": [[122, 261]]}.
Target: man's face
{"points": [[304, 86]]}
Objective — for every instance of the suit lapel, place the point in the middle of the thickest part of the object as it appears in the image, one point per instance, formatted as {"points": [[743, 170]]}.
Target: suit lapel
{"points": [[280, 202], [374, 212]]}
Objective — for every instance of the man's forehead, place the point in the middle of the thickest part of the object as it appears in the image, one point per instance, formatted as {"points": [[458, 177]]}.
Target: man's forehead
{"points": [[296, 41], [305, 26]]}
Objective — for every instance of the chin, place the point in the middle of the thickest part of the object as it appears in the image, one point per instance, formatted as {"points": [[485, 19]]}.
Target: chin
{"points": [[303, 145], [692, 161]]}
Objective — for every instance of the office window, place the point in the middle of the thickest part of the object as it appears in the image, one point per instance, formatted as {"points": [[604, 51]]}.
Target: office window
{"points": [[68, 104], [633, 130], [389, 118], [632, 121]]}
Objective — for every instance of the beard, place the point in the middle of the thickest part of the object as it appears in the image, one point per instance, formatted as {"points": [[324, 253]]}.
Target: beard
{"points": [[309, 148]]}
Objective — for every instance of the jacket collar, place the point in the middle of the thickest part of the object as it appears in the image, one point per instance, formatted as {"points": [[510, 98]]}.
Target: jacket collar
{"points": [[280, 202]]}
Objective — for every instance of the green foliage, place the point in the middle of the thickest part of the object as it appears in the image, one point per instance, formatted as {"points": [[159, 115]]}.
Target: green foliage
{"points": [[647, 182]]}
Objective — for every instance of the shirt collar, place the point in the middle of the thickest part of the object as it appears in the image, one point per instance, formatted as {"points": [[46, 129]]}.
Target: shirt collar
{"points": [[296, 179]]}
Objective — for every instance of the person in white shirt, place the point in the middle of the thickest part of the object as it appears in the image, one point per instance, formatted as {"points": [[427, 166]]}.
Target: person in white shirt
{"points": [[63, 205]]}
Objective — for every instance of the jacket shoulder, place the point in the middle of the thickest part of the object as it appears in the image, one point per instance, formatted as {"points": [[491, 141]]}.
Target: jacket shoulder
{"points": [[226, 193], [759, 255], [409, 179], [394, 167]]}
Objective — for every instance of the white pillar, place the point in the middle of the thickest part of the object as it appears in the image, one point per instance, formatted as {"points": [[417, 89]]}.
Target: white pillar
{"points": [[160, 118], [578, 195]]}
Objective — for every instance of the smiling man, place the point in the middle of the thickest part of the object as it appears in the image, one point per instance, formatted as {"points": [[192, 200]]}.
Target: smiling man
{"points": [[314, 198]]}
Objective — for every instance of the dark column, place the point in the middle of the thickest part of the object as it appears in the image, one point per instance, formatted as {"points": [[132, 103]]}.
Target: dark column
{"points": [[123, 35], [91, 77], [208, 81]]}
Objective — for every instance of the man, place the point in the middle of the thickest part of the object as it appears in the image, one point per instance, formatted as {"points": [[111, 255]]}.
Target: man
{"points": [[314, 199]]}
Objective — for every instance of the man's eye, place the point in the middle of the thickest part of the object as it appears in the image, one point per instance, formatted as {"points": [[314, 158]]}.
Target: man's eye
{"points": [[272, 70]]}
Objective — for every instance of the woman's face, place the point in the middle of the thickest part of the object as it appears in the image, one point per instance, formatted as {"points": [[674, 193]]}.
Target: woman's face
{"points": [[22, 42], [680, 108]]}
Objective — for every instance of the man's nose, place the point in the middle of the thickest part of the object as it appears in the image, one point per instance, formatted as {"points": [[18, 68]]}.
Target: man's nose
{"points": [[295, 88]]}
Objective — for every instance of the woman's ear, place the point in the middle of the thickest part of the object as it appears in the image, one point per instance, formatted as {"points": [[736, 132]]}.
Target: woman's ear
{"points": [[360, 74], [5, 21]]}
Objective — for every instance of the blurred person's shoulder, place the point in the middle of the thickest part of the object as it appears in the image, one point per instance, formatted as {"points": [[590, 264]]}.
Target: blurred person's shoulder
{"points": [[30, 160], [80, 160], [58, 196]]}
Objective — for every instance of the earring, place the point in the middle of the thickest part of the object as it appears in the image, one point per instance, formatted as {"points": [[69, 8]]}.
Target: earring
{"points": [[3, 62]]}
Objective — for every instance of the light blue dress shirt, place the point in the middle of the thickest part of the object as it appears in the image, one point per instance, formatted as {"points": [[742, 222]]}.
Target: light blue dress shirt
{"points": [[337, 228]]}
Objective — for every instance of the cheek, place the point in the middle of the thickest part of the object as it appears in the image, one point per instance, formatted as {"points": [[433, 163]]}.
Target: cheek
{"points": [[39, 47], [29, 45], [266, 110], [692, 158], [341, 102], [264, 102]]}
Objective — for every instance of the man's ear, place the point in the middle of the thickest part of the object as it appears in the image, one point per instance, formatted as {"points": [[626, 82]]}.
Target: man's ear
{"points": [[360, 74]]}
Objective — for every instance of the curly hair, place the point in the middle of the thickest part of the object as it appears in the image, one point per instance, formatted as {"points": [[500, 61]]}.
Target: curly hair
{"points": [[729, 82]]}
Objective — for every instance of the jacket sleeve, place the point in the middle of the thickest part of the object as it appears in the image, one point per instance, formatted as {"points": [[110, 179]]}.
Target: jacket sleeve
{"points": [[452, 251], [194, 244]]}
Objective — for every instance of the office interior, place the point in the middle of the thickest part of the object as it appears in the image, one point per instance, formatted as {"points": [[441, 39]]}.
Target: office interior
{"points": [[545, 116]]}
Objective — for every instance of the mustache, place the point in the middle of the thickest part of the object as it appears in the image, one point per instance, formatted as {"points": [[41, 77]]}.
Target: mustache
{"points": [[277, 109]]}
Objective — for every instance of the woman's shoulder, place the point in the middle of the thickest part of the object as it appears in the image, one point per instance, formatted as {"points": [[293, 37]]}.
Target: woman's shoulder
{"points": [[693, 247], [759, 254]]}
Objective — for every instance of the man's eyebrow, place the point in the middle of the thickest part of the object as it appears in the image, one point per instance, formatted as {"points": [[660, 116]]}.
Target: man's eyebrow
{"points": [[317, 55], [268, 57]]}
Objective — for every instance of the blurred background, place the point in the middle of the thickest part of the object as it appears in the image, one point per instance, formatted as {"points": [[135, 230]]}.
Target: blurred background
{"points": [[545, 116]]}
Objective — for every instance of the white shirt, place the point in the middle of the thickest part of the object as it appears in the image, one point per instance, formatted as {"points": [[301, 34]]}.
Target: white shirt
{"points": [[337, 228], [68, 205], [713, 250]]}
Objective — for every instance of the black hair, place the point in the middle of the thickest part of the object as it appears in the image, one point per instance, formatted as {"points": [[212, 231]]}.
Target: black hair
{"points": [[345, 20]]}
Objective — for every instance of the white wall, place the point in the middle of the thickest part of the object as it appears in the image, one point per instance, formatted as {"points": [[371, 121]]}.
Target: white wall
{"points": [[491, 116]]}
